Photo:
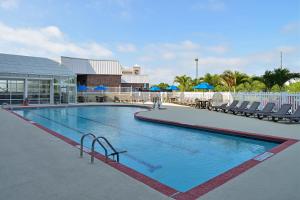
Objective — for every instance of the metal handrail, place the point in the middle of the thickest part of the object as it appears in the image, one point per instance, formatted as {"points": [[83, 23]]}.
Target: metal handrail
{"points": [[81, 142], [115, 152]]}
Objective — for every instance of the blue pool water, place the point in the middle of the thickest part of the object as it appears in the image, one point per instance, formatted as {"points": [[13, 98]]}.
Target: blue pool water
{"points": [[181, 158]]}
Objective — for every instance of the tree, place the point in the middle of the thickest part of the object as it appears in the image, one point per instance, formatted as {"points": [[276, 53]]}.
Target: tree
{"points": [[232, 79], [293, 87], [194, 82], [281, 76], [277, 78], [162, 85], [212, 79], [251, 85], [183, 81]]}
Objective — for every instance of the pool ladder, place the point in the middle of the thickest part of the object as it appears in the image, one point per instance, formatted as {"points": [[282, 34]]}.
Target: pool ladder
{"points": [[100, 140]]}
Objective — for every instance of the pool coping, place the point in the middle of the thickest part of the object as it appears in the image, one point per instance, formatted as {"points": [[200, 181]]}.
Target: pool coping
{"points": [[219, 180], [193, 193]]}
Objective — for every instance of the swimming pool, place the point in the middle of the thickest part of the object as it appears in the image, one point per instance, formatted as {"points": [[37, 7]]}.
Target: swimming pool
{"points": [[180, 158]]}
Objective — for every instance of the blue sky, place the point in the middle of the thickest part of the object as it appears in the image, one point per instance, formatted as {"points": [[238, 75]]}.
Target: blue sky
{"points": [[162, 36]]}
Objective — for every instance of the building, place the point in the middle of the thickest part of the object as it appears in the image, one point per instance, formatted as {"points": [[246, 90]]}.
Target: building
{"points": [[132, 77], [40, 80], [109, 73]]}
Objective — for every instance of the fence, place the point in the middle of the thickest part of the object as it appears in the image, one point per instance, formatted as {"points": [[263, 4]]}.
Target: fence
{"points": [[265, 97], [130, 95]]}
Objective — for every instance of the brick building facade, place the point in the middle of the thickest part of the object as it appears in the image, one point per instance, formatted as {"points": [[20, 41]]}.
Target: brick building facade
{"points": [[109, 73], [93, 80]]}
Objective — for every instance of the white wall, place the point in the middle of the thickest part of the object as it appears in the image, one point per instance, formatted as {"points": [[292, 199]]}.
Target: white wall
{"points": [[86, 66]]}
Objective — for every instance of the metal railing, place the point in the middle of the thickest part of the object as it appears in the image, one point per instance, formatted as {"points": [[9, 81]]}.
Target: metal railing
{"points": [[99, 140]]}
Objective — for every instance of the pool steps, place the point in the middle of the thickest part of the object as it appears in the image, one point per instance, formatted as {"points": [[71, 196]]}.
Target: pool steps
{"points": [[100, 140]]}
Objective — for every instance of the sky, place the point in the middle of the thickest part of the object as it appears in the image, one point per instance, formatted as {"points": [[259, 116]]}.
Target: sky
{"points": [[164, 37]]}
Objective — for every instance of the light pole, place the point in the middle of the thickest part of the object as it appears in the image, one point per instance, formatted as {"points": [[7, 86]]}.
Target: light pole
{"points": [[196, 60]]}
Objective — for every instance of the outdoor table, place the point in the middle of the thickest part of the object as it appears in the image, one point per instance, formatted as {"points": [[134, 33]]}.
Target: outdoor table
{"points": [[173, 99], [202, 103]]}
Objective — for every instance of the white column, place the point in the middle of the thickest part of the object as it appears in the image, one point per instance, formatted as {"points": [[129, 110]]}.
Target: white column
{"points": [[52, 91], [25, 88]]}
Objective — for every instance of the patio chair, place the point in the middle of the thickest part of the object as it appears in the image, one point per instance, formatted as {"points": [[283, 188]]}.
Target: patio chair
{"points": [[254, 106], [116, 99], [231, 106], [242, 107], [295, 116], [80, 99], [284, 110], [262, 113], [220, 107]]}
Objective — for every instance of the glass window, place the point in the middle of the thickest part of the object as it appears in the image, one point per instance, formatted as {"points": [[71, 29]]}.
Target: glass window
{"points": [[3, 85], [11, 91], [33, 91]]}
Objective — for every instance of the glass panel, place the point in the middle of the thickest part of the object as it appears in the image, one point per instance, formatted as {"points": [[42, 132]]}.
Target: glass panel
{"points": [[3, 85], [11, 91], [56, 94], [65, 89], [33, 91], [44, 91]]}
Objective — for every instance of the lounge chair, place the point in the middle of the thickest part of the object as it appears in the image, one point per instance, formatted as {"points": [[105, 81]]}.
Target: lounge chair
{"points": [[254, 106], [267, 110], [231, 106], [217, 108], [242, 107], [281, 112], [295, 116]]}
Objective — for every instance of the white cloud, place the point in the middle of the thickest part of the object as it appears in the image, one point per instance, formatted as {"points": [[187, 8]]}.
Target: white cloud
{"points": [[46, 41], [219, 49], [126, 48], [210, 5], [163, 61], [293, 27], [9, 4]]}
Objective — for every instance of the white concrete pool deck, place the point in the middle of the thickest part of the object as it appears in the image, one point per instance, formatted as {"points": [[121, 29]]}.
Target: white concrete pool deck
{"points": [[36, 165]]}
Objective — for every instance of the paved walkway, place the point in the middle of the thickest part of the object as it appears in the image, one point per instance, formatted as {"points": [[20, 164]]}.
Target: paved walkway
{"points": [[36, 165], [277, 178]]}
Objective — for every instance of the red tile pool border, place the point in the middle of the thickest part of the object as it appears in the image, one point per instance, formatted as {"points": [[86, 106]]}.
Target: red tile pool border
{"points": [[217, 181], [195, 192]]}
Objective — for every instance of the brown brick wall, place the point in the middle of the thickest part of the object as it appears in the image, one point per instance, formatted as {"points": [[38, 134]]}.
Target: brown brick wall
{"points": [[106, 80]]}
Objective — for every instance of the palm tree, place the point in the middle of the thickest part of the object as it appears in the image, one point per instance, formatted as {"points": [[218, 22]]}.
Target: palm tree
{"points": [[212, 79], [163, 85], [232, 79], [278, 76], [194, 82], [183, 81], [282, 75]]}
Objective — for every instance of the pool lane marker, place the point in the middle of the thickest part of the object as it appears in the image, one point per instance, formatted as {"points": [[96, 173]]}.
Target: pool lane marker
{"points": [[191, 151], [199, 190], [150, 166]]}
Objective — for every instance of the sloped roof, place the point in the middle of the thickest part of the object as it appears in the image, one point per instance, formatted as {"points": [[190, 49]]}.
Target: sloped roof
{"points": [[91, 66], [31, 65]]}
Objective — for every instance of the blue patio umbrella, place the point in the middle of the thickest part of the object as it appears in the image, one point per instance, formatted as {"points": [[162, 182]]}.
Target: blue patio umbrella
{"points": [[100, 88], [82, 88], [173, 88], [154, 89], [204, 86]]}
